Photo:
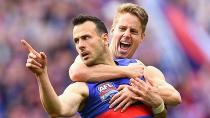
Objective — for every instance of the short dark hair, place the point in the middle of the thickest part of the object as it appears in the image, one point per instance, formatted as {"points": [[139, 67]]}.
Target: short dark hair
{"points": [[80, 19]]}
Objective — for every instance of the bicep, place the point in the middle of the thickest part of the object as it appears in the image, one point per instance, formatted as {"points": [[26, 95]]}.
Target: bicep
{"points": [[72, 98]]}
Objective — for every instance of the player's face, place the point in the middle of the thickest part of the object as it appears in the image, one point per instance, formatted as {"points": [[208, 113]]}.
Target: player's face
{"points": [[88, 44], [126, 36]]}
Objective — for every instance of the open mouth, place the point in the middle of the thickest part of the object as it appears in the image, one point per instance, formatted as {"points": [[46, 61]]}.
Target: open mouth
{"points": [[125, 45]]}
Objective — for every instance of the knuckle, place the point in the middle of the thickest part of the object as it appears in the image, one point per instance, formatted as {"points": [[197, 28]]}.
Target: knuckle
{"points": [[28, 60], [30, 54], [28, 65], [124, 95], [127, 95]]}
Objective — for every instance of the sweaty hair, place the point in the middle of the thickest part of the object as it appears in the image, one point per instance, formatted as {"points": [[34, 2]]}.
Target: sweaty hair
{"points": [[134, 10], [100, 27]]}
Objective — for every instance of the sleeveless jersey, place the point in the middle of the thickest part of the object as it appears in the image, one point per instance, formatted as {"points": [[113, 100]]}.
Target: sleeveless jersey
{"points": [[97, 103]]}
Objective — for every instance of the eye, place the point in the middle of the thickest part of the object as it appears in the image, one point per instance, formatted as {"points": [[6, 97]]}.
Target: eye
{"points": [[121, 28], [134, 31], [76, 40], [85, 37]]}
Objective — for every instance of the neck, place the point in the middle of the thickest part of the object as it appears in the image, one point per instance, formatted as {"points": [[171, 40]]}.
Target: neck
{"points": [[107, 58]]}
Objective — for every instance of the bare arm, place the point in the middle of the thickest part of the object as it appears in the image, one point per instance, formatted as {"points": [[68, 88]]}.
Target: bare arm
{"points": [[54, 105], [168, 93], [80, 72], [66, 104]]}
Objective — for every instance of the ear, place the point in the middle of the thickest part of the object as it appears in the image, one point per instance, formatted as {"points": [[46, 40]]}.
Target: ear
{"points": [[142, 36], [112, 30], [105, 38]]}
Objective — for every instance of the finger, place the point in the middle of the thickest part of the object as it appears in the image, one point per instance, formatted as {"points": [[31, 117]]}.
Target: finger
{"points": [[121, 87], [117, 101], [149, 82], [29, 47], [32, 55], [122, 103], [117, 95], [126, 106], [32, 66], [131, 83], [139, 83], [136, 91], [32, 61], [43, 55], [138, 98]]}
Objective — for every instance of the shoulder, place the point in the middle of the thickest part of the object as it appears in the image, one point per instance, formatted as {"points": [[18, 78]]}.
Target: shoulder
{"points": [[78, 88]]}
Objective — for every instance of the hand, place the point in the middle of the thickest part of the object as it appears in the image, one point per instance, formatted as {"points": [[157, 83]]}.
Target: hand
{"points": [[134, 70], [36, 62], [122, 99], [147, 92]]}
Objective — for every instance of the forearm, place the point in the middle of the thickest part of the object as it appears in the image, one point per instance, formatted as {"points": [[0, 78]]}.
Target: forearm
{"points": [[106, 72], [169, 95], [97, 73], [48, 96]]}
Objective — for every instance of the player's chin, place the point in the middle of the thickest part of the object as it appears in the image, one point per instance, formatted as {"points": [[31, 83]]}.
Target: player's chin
{"points": [[120, 55], [88, 62]]}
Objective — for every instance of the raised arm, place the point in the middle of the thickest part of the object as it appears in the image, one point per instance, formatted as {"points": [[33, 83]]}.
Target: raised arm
{"points": [[53, 104], [67, 104], [167, 92], [80, 72]]}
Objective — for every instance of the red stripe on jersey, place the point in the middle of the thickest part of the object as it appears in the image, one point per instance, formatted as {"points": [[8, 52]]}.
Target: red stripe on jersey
{"points": [[131, 111]]}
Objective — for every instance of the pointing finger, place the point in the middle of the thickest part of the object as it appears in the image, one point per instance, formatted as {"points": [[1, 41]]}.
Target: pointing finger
{"points": [[28, 47]]}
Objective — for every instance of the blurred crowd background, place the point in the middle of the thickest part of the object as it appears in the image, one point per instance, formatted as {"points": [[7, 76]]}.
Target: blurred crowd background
{"points": [[177, 42]]}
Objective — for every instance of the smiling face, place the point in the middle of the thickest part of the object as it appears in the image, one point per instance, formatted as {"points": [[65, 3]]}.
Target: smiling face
{"points": [[88, 43], [126, 36]]}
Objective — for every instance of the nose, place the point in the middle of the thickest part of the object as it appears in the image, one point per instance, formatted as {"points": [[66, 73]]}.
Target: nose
{"points": [[127, 33], [81, 45]]}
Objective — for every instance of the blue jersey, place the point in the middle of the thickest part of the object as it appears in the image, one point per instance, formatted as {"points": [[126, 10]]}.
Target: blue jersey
{"points": [[97, 103]]}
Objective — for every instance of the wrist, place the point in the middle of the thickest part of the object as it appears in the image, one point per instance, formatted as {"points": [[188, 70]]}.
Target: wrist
{"points": [[123, 71], [159, 109], [41, 74]]}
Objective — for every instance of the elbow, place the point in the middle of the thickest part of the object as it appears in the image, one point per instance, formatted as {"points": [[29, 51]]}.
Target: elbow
{"points": [[62, 113], [55, 115], [52, 113], [176, 99], [77, 76], [173, 99]]}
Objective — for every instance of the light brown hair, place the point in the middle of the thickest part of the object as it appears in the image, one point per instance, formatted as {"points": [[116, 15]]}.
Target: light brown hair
{"points": [[134, 10]]}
